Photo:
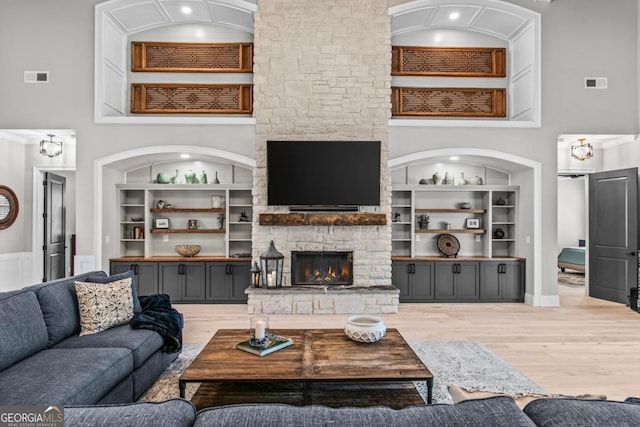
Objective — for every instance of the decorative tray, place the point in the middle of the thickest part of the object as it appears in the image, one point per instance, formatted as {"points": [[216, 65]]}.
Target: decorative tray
{"points": [[448, 245]]}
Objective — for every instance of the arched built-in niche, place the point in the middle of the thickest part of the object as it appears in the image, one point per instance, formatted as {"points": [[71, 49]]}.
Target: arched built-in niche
{"points": [[112, 169], [120, 21], [491, 23], [523, 172]]}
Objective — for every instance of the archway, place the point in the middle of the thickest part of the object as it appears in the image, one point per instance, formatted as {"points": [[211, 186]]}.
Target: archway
{"points": [[148, 153], [509, 161]]}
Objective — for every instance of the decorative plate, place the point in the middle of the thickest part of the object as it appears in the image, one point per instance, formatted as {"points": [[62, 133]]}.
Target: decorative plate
{"points": [[448, 245]]}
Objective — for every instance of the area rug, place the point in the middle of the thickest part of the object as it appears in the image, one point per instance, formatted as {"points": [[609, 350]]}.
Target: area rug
{"points": [[471, 365], [467, 364], [572, 280]]}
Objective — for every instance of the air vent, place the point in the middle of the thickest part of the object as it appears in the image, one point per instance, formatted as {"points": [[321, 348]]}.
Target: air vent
{"points": [[595, 83], [36, 77]]}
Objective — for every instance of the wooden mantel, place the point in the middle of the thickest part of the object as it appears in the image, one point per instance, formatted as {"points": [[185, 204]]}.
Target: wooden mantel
{"points": [[342, 219]]}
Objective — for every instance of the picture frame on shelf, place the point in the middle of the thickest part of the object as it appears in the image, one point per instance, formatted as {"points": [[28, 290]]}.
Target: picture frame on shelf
{"points": [[161, 223], [473, 223]]}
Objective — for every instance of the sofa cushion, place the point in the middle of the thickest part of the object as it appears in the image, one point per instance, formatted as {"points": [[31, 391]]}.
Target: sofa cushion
{"points": [[494, 411], [65, 376], [170, 413], [103, 306], [114, 277], [142, 343], [59, 306], [575, 412], [23, 330]]}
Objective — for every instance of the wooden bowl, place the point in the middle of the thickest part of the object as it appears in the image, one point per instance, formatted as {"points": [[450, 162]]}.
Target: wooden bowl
{"points": [[187, 250]]}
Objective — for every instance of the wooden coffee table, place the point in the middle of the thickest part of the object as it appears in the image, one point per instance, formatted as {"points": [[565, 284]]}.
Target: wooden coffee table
{"points": [[322, 367]]}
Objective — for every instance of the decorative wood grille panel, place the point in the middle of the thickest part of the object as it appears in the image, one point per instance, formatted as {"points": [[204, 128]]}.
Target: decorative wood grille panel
{"points": [[448, 61], [191, 98], [448, 102], [192, 57]]}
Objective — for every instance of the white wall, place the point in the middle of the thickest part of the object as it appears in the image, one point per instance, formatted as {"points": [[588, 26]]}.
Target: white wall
{"points": [[572, 211], [12, 169]]}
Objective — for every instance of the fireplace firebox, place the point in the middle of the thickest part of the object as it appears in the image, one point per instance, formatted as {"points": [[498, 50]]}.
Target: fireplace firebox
{"points": [[321, 268]]}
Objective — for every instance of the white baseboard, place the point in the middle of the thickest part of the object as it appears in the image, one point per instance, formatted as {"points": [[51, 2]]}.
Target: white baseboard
{"points": [[542, 301], [16, 271]]}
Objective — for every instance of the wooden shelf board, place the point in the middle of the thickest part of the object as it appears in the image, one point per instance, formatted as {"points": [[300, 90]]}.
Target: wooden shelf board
{"points": [[452, 231], [186, 230], [473, 211], [178, 210], [132, 240]]}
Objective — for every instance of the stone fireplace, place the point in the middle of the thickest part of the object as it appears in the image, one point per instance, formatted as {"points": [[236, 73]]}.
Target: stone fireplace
{"points": [[320, 74]]}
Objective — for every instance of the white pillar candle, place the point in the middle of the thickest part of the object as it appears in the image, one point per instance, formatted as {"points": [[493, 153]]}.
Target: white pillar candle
{"points": [[261, 327]]}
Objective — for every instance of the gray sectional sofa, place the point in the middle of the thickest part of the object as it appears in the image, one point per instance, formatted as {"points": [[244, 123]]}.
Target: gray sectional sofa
{"points": [[492, 411], [43, 360]]}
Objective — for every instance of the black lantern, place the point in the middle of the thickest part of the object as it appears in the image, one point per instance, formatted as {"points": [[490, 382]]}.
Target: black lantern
{"points": [[255, 275], [271, 263]]}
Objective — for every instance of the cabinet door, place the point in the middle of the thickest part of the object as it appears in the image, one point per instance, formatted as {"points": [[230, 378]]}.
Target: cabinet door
{"points": [[400, 273], [445, 281], [145, 275], [170, 280], [491, 280], [240, 279], [146, 278], [468, 280], [194, 284], [513, 279], [422, 281], [217, 281], [117, 267]]}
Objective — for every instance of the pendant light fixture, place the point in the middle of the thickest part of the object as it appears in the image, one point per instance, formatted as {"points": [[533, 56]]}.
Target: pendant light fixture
{"points": [[582, 151], [50, 148]]}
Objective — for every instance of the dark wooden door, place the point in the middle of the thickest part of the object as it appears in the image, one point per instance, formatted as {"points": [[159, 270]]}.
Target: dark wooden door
{"points": [[400, 276], [217, 288], [613, 234], [54, 227]]}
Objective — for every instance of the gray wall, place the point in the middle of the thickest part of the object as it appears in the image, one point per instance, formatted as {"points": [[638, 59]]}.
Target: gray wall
{"points": [[581, 38]]}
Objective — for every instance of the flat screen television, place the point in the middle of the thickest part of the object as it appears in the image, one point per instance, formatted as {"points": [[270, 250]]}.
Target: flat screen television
{"points": [[318, 175]]}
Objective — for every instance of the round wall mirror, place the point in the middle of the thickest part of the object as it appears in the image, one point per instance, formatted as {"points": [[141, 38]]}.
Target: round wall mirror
{"points": [[8, 207]]}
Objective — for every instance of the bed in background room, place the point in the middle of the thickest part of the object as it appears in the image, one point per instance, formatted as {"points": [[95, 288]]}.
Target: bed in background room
{"points": [[572, 258]]}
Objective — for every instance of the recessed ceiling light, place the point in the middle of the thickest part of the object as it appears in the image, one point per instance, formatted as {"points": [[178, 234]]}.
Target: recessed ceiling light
{"points": [[454, 15], [454, 158], [186, 10], [184, 156]]}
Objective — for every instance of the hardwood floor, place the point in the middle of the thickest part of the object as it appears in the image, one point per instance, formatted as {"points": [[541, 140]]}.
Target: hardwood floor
{"points": [[585, 345]]}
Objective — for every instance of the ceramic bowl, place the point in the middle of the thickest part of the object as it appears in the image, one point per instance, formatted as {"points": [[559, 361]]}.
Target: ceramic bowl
{"points": [[364, 328], [187, 250]]}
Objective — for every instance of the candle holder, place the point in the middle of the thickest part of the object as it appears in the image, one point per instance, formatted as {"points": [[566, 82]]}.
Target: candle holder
{"points": [[258, 330]]}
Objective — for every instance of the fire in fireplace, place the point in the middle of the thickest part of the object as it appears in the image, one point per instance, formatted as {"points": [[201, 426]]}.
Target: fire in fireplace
{"points": [[321, 268]]}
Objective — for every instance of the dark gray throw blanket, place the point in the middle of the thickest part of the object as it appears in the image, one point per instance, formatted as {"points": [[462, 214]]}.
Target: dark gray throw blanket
{"points": [[158, 315]]}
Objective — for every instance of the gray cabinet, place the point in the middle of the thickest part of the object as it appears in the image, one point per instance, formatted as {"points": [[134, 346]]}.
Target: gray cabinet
{"points": [[227, 281], [414, 279], [457, 281], [145, 274], [182, 281], [502, 280]]}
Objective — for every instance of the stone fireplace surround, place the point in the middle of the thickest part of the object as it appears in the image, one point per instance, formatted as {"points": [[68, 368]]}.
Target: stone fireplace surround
{"points": [[313, 81]]}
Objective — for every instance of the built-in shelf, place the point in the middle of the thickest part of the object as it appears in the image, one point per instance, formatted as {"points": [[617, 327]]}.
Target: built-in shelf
{"points": [[474, 211], [443, 230], [186, 230], [182, 210]]}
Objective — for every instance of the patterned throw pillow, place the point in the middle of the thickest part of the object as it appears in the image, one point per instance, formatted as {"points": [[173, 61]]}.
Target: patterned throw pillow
{"points": [[104, 305]]}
